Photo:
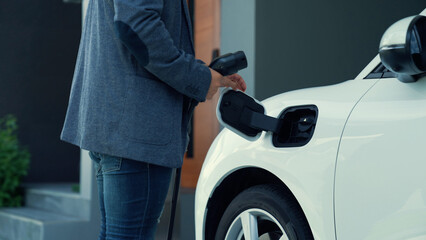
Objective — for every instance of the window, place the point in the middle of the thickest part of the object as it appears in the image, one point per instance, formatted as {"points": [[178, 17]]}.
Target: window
{"points": [[381, 72]]}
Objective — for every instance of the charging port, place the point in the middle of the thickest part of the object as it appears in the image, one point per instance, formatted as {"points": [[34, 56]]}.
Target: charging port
{"points": [[297, 125]]}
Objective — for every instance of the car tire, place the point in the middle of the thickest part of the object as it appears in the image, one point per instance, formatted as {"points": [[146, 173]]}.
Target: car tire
{"points": [[266, 212]]}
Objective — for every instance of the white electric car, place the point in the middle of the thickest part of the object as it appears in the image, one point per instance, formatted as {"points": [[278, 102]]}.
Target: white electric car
{"points": [[346, 161]]}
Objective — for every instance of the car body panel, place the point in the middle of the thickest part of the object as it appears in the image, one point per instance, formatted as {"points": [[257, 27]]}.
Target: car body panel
{"points": [[307, 171], [381, 165]]}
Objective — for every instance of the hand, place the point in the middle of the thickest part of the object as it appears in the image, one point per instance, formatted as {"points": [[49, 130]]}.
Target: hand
{"points": [[234, 81]]}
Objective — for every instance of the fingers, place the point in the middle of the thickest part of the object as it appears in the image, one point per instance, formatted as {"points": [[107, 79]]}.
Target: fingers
{"points": [[241, 84], [228, 82], [233, 81]]}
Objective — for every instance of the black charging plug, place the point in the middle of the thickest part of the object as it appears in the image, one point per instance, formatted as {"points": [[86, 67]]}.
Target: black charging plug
{"points": [[229, 63]]}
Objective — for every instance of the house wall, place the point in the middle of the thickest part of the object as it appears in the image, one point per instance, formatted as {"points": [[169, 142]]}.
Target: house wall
{"points": [[303, 44], [38, 47], [238, 22]]}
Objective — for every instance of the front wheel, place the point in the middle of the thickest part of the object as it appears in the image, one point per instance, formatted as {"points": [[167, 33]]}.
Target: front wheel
{"points": [[263, 212]]}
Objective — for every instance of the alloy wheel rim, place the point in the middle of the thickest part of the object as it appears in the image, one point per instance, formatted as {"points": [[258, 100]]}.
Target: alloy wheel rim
{"points": [[246, 226]]}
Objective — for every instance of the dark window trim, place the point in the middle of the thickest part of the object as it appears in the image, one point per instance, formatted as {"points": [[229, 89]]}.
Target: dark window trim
{"points": [[380, 72]]}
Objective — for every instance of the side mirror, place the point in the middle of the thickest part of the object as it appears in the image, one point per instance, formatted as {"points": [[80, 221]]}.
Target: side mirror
{"points": [[403, 48]]}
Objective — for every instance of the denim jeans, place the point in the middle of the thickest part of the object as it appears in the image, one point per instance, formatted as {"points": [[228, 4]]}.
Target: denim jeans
{"points": [[131, 195]]}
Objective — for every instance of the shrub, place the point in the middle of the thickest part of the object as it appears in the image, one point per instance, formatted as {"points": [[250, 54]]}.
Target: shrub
{"points": [[14, 163]]}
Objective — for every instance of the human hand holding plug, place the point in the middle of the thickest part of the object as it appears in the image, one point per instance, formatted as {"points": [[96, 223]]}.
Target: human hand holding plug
{"points": [[234, 81]]}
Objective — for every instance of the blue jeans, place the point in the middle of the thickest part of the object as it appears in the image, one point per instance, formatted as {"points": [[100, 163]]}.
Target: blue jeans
{"points": [[131, 196]]}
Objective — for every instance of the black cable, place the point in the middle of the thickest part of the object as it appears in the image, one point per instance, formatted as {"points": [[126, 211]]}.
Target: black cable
{"points": [[174, 202]]}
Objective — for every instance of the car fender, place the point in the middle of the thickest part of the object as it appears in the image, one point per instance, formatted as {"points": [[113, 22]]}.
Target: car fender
{"points": [[307, 171]]}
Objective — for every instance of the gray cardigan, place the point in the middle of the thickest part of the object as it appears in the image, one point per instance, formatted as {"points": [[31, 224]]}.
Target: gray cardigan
{"points": [[136, 81]]}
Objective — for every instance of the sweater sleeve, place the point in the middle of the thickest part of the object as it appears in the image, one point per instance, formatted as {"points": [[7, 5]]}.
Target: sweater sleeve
{"points": [[139, 26]]}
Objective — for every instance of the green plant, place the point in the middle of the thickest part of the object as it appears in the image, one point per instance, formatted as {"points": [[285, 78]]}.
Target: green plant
{"points": [[75, 188], [14, 163]]}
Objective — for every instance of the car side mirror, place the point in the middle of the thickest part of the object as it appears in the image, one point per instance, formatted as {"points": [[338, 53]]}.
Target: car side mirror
{"points": [[403, 48]]}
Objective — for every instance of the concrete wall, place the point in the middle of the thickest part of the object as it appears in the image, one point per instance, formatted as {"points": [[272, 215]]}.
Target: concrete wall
{"points": [[238, 33]]}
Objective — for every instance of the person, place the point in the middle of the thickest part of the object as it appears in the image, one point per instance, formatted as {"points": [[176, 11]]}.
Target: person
{"points": [[135, 85]]}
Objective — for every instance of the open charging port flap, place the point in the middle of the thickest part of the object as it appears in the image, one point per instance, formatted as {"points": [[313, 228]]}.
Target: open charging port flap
{"points": [[246, 117]]}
